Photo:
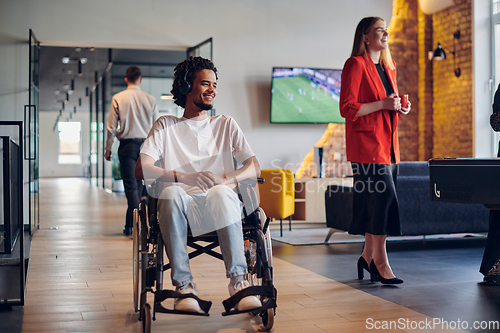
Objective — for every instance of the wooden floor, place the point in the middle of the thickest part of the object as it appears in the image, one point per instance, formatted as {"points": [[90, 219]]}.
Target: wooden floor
{"points": [[80, 279]]}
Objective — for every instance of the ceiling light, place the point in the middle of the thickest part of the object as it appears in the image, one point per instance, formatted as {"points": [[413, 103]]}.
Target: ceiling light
{"points": [[67, 60], [166, 96], [432, 6]]}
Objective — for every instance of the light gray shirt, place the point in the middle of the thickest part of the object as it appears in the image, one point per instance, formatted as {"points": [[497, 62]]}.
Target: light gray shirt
{"points": [[133, 113]]}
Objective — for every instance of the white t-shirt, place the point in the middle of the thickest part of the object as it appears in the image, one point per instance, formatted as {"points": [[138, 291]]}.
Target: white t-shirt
{"points": [[192, 146]]}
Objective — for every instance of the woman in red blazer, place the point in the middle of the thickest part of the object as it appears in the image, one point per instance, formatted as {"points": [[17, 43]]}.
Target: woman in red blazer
{"points": [[371, 106]]}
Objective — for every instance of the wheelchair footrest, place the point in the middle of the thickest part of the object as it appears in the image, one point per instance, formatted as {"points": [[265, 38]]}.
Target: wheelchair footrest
{"points": [[162, 295], [271, 303], [264, 291]]}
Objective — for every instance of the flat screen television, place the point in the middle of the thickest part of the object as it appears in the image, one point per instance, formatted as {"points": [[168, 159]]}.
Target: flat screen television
{"points": [[305, 95]]}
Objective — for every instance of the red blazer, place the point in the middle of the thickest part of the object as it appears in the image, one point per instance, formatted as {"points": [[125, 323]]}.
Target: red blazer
{"points": [[368, 138]]}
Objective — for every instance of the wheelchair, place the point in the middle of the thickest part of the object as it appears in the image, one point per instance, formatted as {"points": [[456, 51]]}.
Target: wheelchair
{"points": [[149, 266]]}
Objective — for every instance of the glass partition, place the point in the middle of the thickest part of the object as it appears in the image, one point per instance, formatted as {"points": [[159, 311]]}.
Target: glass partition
{"points": [[203, 49], [12, 254], [32, 129]]}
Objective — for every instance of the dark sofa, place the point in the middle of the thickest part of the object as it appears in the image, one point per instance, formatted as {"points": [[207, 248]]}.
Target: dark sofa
{"points": [[418, 214]]}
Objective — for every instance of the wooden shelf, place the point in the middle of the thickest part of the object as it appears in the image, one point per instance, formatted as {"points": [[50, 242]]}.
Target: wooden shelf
{"points": [[300, 210], [310, 198]]}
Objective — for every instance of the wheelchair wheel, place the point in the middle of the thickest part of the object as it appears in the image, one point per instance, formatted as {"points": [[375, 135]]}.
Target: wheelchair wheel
{"points": [[146, 318], [137, 264], [267, 319], [251, 257]]}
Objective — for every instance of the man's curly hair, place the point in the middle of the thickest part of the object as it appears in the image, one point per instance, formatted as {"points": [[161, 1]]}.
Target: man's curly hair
{"points": [[194, 65]]}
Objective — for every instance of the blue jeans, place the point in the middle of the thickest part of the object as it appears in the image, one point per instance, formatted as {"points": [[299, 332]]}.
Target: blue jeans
{"points": [[176, 208]]}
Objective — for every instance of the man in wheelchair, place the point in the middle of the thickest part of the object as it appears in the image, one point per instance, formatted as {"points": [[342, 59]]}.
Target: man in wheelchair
{"points": [[195, 155]]}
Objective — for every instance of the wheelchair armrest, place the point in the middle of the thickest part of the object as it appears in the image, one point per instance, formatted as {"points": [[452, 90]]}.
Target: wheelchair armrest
{"points": [[251, 182]]}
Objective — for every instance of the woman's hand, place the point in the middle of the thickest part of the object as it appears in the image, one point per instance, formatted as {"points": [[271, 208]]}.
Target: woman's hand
{"points": [[392, 102], [407, 109]]}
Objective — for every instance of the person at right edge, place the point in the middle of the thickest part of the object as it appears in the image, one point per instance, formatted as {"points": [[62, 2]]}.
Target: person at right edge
{"points": [[490, 266], [371, 106]]}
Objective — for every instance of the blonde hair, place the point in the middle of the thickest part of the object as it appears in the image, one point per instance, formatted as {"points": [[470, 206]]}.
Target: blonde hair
{"points": [[359, 46]]}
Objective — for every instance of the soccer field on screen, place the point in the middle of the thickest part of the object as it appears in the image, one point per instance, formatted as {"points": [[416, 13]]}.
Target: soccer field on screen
{"points": [[299, 100]]}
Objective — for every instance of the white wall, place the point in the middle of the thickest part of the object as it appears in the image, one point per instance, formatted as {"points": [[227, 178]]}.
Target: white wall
{"points": [[49, 151], [483, 90], [14, 61], [250, 37]]}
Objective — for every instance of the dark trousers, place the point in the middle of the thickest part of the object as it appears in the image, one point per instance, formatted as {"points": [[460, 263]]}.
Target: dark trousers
{"points": [[492, 250], [128, 154], [491, 254]]}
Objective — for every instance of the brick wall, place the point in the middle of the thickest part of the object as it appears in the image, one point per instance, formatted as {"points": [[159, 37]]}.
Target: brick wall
{"points": [[425, 88], [452, 96], [404, 46], [334, 155], [441, 121]]}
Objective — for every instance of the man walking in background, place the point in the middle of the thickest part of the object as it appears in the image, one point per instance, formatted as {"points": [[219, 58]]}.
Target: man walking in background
{"points": [[132, 115]]}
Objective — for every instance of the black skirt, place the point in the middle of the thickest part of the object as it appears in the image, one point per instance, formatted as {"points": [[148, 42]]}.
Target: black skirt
{"points": [[375, 202]]}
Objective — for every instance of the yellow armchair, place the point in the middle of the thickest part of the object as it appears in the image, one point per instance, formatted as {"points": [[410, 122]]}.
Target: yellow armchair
{"points": [[277, 195]]}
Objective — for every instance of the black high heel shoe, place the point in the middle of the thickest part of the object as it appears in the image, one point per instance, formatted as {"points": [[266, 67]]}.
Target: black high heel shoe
{"points": [[362, 264], [375, 276]]}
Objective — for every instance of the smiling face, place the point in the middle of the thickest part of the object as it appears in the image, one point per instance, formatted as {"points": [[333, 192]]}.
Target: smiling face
{"points": [[204, 89], [376, 37]]}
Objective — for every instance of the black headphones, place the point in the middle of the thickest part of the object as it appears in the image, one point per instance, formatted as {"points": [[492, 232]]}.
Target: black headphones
{"points": [[185, 87]]}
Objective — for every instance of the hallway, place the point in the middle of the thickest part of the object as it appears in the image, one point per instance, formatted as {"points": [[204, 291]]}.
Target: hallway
{"points": [[80, 278]]}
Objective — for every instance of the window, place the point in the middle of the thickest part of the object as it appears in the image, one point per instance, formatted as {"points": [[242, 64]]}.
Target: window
{"points": [[69, 142], [495, 47]]}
